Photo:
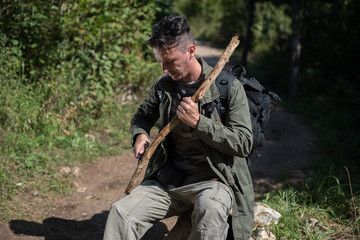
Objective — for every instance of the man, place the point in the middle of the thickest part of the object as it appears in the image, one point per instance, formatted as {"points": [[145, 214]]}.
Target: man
{"points": [[201, 165]]}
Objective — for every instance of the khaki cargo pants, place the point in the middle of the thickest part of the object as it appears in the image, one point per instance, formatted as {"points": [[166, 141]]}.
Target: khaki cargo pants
{"points": [[210, 203]]}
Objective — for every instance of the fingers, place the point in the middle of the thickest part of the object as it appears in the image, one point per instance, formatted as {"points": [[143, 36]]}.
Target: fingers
{"points": [[184, 107], [187, 104], [141, 144], [188, 100], [140, 148], [188, 112]]}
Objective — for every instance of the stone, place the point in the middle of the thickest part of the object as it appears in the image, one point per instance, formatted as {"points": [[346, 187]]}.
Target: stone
{"points": [[314, 223], [35, 193], [65, 170], [81, 189], [264, 215], [90, 137], [263, 234], [76, 171]]}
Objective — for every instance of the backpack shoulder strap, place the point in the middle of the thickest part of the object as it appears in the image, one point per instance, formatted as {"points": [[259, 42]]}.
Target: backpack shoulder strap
{"points": [[240, 72], [223, 82]]}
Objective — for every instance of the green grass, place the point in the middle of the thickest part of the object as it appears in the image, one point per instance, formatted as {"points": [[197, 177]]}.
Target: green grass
{"points": [[324, 199], [32, 162], [328, 104], [326, 196], [294, 223]]}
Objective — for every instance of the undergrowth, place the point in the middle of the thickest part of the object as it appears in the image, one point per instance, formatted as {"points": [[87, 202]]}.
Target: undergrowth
{"points": [[64, 69], [32, 162], [326, 194], [324, 199]]}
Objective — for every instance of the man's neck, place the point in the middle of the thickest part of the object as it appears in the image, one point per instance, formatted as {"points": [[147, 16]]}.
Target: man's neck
{"points": [[194, 73]]}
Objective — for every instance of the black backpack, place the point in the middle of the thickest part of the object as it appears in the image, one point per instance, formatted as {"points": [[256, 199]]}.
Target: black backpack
{"points": [[261, 101]]}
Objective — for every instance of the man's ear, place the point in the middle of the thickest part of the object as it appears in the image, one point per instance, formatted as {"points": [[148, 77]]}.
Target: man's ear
{"points": [[191, 50]]}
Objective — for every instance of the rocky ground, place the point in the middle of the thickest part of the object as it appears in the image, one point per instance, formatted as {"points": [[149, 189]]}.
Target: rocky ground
{"points": [[83, 215]]}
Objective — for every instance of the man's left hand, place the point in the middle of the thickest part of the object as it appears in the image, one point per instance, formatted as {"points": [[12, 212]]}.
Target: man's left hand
{"points": [[188, 112]]}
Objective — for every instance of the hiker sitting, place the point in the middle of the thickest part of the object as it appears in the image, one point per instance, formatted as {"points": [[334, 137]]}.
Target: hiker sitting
{"points": [[200, 166]]}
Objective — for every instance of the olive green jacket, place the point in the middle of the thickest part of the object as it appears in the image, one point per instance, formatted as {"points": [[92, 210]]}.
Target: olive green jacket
{"points": [[225, 145]]}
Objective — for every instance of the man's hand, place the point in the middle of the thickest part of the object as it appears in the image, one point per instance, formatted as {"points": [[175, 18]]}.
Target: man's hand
{"points": [[141, 144], [188, 112]]}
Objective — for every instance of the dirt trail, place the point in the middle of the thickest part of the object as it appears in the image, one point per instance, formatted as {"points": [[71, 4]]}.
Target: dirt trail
{"points": [[83, 214]]}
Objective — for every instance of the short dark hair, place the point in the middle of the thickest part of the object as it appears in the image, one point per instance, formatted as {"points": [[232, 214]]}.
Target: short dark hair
{"points": [[170, 32]]}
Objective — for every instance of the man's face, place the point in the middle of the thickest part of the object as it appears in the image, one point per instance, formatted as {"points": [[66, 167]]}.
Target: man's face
{"points": [[174, 62]]}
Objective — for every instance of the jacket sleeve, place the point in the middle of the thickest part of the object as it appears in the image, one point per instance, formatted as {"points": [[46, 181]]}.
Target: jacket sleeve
{"points": [[147, 114], [235, 136]]}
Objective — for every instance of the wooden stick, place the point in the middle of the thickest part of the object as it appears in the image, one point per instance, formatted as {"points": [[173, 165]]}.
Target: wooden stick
{"points": [[198, 95]]}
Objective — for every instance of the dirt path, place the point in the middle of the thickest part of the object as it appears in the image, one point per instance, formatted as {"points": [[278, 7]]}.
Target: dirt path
{"points": [[83, 214]]}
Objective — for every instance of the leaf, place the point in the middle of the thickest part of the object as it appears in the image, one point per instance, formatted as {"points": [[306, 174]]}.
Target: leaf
{"points": [[15, 42]]}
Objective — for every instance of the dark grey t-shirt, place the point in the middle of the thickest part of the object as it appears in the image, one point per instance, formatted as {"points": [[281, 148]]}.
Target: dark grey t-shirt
{"points": [[186, 152]]}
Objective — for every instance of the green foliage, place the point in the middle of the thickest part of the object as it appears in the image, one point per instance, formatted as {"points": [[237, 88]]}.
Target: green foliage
{"points": [[323, 198], [218, 21], [27, 25], [271, 29], [204, 16], [108, 38], [294, 222], [329, 85], [327, 99], [210, 20], [233, 22], [64, 66]]}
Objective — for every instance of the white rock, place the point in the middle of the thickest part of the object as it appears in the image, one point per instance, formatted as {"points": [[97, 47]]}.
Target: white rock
{"points": [[314, 223], [65, 170], [35, 193], [264, 234], [81, 189], [90, 136], [264, 215], [76, 171]]}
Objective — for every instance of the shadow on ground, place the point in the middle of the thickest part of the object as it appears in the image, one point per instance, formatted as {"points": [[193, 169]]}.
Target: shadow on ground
{"points": [[62, 229], [57, 228]]}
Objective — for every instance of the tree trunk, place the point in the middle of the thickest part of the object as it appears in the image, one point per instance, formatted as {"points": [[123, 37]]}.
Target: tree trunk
{"points": [[248, 36], [296, 49]]}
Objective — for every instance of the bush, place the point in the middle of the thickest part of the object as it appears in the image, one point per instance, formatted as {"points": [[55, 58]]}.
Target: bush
{"points": [[63, 68]]}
